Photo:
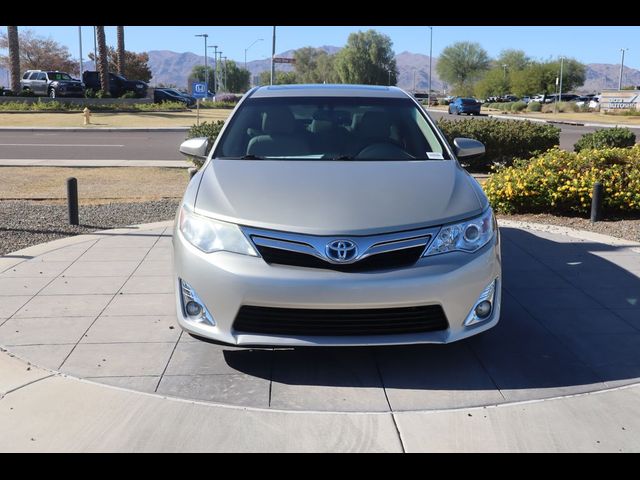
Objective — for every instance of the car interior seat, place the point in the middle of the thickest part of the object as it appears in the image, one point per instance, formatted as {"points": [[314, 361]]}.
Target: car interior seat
{"points": [[279, 137]]}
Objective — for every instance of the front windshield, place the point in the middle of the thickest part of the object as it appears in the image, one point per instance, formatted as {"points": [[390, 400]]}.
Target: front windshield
{"points": [[335, 128], [58, 76]]}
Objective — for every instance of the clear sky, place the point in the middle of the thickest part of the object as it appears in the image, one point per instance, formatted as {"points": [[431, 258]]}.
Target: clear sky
{"points": [[586, 44]]}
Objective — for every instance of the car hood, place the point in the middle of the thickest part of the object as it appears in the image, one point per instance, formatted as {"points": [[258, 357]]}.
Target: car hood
{"points": [[338, 197]]}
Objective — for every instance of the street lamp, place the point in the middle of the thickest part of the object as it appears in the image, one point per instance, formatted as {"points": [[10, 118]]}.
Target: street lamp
{"points": [[561, 65], [224, 71], [430, 62], [220, 83], [245, 51], [206, 71], [215, 66], [621, 68], [504, 77]]}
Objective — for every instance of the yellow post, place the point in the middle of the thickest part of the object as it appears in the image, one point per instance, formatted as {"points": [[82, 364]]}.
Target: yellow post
{"points": [[86, 113]]}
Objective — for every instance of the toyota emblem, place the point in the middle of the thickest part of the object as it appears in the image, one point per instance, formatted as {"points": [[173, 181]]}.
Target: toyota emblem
{"points": [[341, 251]]}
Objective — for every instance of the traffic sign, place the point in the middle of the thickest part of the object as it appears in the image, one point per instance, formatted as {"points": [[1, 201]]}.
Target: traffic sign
{"points": [[199, 89], [283, 60]]}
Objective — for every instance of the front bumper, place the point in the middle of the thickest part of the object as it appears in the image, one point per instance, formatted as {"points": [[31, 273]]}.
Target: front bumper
{"points": [[225, 281]]}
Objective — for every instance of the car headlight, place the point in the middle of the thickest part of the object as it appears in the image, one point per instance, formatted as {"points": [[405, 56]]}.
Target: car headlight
{"points": [[467, 236], [212, 236]]}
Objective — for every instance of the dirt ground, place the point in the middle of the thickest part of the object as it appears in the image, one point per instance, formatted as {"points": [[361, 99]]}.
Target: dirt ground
{"points": [[112, 119], [95, 185]]}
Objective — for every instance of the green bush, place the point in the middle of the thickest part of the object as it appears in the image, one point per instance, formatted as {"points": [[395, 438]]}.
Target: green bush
{"points": [[567, 107], [562, 182], [607, 137], [128, 94], [102, 94], [504, 140], [90, 93], [27, 93], [443, 102], [205, 129], [534, 107], [518, 106]]}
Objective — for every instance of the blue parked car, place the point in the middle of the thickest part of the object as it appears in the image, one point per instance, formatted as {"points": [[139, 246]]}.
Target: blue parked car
{"points": [[470, 106]]}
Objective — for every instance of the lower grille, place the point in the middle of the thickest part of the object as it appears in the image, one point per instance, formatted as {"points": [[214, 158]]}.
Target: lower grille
{"points": [[377, 321], [380, 261]]}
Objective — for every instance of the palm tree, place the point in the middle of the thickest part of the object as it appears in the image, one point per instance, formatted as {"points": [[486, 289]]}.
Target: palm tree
{"points": [[103, 61], [14, 58], [121, 53]]}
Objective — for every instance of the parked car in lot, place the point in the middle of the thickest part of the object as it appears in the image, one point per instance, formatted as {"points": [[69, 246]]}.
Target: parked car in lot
{"points": [[334, 215], [460, 105], [565, 97], [118, 85], [172, 95], [51, 83]]}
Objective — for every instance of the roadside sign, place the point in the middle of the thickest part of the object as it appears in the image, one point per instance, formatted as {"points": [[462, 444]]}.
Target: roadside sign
{"points": [[199, 89], [283, 60]]}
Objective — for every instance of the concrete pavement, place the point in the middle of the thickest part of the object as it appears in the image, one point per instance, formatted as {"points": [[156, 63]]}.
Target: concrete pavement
{"points": [[99, 310]]}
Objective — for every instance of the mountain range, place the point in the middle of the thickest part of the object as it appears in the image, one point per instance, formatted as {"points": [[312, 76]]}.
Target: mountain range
{"points": [[170, 67]]}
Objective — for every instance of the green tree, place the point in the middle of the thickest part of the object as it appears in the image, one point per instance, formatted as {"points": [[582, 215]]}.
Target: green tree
{"points": [[136, 65], [281, 78], [237, 78], [198, 74], [513, 59], [314, 65], [39, 53], [495, 82], [461, 64], [368, 59], [540, 77]]}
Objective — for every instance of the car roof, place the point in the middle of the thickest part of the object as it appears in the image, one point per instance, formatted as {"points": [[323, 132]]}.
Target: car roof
{"points": [[328, 90]]}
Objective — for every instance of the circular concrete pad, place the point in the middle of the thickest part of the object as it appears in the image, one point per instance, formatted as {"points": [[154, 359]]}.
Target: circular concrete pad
{"points": [[101, 307]]}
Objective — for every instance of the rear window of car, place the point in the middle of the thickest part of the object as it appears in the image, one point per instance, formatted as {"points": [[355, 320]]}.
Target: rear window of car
{"points": [[468, 101], [58, 76], [335, 128]]}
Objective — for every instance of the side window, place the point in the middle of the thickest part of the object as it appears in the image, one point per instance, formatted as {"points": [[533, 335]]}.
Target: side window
{"points": [[26, 75], [42, 76]]}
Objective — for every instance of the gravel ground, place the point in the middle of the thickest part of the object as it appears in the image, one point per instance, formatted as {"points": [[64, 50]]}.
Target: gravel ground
{"points": [[25, 223], [626, 228]]}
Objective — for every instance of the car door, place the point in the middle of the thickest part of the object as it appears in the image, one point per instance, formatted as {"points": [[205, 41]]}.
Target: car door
{"points": [[40, 84]]}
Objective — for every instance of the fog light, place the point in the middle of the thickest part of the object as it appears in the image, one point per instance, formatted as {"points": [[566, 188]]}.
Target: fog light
{"points": [[193, 309], [483, 309]]}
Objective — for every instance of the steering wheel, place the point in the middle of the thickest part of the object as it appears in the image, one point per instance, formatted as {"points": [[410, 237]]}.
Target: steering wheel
{"points": [[382, 150]]}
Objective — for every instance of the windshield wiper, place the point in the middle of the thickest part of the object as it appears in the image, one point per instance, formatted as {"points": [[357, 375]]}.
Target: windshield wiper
{"points": [[344, 157], [251, 157]]}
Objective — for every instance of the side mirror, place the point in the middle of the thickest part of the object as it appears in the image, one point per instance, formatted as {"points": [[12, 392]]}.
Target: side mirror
{"points": [[468, 148], [195, 147]]}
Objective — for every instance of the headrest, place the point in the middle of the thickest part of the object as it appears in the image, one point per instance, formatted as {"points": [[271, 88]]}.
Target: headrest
{"points": [[320, 126], [278, 120], [375, 124]]}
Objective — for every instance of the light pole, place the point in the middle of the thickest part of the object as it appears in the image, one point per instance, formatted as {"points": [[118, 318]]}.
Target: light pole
{"points": [[504, 77], [224, 66], [621, 68], [389, 76], [273, 54], [561, 65], [414, 81], [95, 49], [80, 42], [245, 51], [206, 71], [221, 84], [215, 66], [430, 62]]}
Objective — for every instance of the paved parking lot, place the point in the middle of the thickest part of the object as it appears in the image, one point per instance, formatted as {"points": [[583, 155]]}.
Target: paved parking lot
{"points": [[102, 308]]}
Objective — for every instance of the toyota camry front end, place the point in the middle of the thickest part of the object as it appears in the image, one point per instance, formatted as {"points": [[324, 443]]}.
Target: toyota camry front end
{"points": [[334, 215]]}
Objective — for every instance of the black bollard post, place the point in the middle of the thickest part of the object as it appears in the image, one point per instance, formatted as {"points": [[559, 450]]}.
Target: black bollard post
{"points": [[72, 200], [596, 201]]}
